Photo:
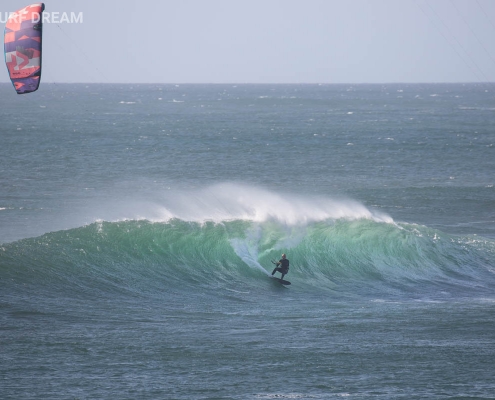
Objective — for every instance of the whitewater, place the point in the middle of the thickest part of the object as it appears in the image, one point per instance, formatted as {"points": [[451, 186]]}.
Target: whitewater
{"points": [[137, 233]]}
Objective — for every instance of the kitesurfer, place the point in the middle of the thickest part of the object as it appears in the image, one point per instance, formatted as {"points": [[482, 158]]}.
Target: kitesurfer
{"points": [[282, 266]]}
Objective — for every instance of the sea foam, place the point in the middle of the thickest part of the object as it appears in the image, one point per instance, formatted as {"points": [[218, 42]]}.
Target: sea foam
{"points": [[231, 201]]}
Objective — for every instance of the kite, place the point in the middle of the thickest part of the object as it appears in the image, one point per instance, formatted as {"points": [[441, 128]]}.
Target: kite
{"points": [[23, 32]]}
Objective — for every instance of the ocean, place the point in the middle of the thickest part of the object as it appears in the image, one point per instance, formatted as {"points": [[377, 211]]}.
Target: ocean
{"points": [[138, 224]]}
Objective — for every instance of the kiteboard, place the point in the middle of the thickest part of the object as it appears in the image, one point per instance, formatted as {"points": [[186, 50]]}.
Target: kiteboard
{"points": [[282, 281]]}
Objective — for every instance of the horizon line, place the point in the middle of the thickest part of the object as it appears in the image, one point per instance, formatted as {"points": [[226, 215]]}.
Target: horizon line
{"points": [[263, 83]]}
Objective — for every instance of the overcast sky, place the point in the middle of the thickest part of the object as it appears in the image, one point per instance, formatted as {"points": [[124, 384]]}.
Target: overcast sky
{"points": [[267, 41]]}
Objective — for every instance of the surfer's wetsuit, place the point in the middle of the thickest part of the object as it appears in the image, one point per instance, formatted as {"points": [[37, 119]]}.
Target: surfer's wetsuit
{"points": [[284, 267]]}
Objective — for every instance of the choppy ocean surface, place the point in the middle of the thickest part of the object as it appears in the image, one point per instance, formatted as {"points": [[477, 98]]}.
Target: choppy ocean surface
{"points": [[138, 224]]}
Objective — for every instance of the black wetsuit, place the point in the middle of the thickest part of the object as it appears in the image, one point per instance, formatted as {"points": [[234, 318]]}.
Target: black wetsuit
{"points": [[284, 267]]}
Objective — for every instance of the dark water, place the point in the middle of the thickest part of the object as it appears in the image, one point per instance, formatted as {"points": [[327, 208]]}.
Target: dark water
{"points": [[138, 225]]}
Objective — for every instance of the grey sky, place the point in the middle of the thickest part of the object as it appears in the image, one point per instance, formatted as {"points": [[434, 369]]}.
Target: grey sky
{"points": [[268, 41]]}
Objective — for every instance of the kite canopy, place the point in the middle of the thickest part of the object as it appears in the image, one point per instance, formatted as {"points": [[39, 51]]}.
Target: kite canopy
{"points": [[23, 32]]}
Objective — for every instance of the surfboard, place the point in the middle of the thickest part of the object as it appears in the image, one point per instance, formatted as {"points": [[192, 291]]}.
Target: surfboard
{"points": [[282, 281]]}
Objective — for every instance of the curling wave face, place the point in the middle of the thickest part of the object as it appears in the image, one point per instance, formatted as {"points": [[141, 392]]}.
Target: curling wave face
{"points": [[227, 235]]}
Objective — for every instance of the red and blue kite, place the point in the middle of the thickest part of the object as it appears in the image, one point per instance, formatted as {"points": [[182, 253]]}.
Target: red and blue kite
{"points": [[23, 33]]}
